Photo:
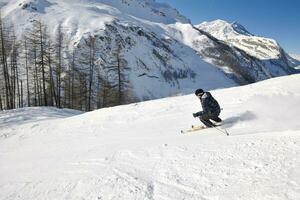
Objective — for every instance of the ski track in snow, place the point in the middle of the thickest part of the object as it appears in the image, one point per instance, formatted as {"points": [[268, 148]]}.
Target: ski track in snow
{"points": [[136, 151]]}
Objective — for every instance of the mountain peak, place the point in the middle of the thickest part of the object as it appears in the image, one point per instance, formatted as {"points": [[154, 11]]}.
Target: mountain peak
{"points": [[237, 35], [222, 28]]}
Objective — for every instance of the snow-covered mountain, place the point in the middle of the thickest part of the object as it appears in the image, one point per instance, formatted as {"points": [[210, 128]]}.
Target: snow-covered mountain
{"points": [[137, 152], [251, 56], [166, 54], [297, 57], [236, 35], [159, 65]]}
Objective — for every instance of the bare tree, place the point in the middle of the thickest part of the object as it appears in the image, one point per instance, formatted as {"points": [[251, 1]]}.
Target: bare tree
{"points": [[8, 93], [72, 74], [36, 80], [41, 33], [38, 40], [1, 105], [90, 42], [15, 71], [105, 92], [27, 72], [70, 80], [59, 54], [118, 65], [22, 95], [53, 96]]}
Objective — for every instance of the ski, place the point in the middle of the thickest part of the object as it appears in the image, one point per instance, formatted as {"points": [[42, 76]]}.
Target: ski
{"points": [[195, 128]]}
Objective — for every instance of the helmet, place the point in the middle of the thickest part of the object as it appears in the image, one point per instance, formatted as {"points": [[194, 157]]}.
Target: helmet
{"points": [[199, 91]]}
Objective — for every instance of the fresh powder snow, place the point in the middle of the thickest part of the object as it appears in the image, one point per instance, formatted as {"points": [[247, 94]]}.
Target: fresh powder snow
{"points": [[136, 151]]}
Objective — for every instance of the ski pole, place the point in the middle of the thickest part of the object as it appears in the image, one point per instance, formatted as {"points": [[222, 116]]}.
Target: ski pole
{"points": [[223, 131]]}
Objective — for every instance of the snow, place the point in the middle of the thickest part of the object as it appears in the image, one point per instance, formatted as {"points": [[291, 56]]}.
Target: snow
{"points": [[236, 35], [136, 151], [126, 18], [189, 36], [222, 29], [297, 58], [94, 14], [166, 55]]}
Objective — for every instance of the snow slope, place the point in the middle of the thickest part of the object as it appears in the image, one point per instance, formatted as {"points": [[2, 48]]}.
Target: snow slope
{"points": [[136, 151]]}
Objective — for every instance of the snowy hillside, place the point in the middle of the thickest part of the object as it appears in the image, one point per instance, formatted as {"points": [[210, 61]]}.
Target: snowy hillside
{"points": [[137, 152], [152, 55], [160, 45]]}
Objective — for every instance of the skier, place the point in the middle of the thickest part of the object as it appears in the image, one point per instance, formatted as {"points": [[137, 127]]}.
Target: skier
{"points": [[210, 106]]}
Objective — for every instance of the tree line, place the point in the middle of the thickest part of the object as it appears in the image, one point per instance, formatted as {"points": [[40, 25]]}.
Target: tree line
{"points": [[42, 70]]}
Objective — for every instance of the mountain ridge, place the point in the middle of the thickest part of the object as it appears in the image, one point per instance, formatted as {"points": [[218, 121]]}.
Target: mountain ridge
{"points": [[166, 53]]}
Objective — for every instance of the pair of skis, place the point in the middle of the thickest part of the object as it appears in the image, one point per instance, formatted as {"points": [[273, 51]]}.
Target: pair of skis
{"points": [[198, 128]]}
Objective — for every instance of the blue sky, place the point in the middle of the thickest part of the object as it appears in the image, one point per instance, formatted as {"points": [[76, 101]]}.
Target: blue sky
{"points": [[277, 19]]}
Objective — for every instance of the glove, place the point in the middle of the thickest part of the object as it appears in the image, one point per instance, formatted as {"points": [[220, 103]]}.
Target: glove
{"points": [[195, 115]]}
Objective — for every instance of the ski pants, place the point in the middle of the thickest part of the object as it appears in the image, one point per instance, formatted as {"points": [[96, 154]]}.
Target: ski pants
{"points": [[206, 117]]}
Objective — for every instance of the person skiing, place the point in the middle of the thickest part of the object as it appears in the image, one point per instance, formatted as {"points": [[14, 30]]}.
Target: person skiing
{"points": [[210, 106]]}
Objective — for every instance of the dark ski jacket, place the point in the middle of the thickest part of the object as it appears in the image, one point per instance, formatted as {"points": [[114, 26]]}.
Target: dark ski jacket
{"points": [[210, 106]]}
